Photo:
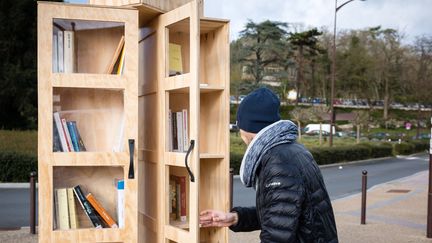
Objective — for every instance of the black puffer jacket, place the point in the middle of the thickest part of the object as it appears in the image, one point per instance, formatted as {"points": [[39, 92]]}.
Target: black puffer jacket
{"points": [[292, 203]]}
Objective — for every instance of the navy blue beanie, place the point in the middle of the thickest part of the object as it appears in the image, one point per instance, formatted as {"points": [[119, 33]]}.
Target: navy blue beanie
{"points": [[257, 110]]}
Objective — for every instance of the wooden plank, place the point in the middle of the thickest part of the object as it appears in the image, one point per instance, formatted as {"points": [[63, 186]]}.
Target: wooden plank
{"points": [[79, 80]]}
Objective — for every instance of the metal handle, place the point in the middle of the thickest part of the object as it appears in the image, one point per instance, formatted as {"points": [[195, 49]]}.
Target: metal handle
{"points": [[191, 175], [131, 160]]}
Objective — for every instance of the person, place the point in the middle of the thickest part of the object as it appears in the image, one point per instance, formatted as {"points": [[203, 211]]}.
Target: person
{"points": [[292, 203]]}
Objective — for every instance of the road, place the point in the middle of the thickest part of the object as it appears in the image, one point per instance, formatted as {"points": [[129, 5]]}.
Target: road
{"points": [[14, 203], [347, 181]]}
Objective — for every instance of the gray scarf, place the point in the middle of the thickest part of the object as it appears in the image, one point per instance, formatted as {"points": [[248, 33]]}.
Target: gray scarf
{"points": [[283, 131]]}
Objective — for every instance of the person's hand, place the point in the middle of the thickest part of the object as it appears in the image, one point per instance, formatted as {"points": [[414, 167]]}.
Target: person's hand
{"points": [[215, 218]]}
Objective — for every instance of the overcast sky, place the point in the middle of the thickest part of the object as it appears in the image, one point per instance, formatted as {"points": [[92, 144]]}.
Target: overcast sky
{"points": [[412, 17]]}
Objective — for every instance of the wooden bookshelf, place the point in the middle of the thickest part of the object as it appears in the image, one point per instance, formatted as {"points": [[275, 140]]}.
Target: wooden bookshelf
{"points": [[110, 109]]}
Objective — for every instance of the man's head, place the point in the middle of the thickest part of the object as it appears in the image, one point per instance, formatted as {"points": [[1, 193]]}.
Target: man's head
{"points": [[257, 110]]}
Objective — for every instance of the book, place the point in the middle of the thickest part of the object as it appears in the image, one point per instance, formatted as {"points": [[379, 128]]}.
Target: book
{"points": [[174, 132], [185, 130], [101, 211], [120, 203], [73, 219], [60, 52], [69, 51], [81, 145], [116, 55], [61, 132], [175, 59], [182, 183], [73, 136], [121, 62], [67, 135], [180, 131], [62, 208], [54, 53], [57, 147], [88, 209], [170, 131]]}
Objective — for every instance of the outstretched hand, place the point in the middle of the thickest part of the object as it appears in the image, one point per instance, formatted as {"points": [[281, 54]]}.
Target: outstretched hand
{"points": [[215, 218]]}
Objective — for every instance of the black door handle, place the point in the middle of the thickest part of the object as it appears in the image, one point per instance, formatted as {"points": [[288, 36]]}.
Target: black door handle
{"points": [[131, 158], [191, 175]]}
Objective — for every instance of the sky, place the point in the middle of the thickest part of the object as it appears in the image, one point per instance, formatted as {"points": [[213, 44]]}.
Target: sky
{"points": [[413, 18]]}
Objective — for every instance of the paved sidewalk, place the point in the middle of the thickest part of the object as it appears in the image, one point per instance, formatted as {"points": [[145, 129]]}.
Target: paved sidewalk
{"points": [[398, 216]]}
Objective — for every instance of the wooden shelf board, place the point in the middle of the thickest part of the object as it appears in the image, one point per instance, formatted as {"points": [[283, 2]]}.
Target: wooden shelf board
{"points": [[90, 159], [211, 156], [81, 80], [178, 83], [176, 234], [205, 88], [90, 234], [175, 159]]}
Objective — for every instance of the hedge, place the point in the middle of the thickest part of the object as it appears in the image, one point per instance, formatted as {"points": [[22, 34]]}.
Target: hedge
{"points": [[406, 148], [331, 155], [16, 167]]}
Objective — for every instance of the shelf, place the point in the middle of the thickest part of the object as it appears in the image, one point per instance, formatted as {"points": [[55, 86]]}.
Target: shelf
{"points": [[175, 234], [180, 224], [80, 80], [90, 159], [178, 83], [175, 159], [89, 235], [211, 156], [205, 88]]}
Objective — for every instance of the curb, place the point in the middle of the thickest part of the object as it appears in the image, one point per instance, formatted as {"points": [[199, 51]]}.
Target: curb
{"points": [[24, 185]]}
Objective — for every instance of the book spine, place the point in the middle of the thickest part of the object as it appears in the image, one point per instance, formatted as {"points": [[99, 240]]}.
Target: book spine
{"points": [[121, 63], [182, 182], [61, 132], [174, 130], [57, 147], [78, 136], [87, 208], [101, 211], [67, 135], [185, 130], [69, 50], [60, 52], [120, 203], [72, 209], [55, 53], [63, 209], [180, 131], [73, 136], [170, 131]]}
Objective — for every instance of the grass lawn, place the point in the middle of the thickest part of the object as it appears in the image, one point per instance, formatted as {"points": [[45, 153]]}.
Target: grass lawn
{"points": [[25, 141]]}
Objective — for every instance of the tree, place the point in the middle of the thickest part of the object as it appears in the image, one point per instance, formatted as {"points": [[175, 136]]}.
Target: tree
{"points": [[261, 42], [299, 114], [361, 118], [18, 76], [306, 41]]}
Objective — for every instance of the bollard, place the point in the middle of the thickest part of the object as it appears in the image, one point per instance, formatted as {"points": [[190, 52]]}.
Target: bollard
{"points": [[363, 198], [33, 202], [231, 187]]}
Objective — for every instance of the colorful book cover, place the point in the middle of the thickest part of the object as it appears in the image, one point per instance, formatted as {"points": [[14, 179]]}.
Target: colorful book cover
{"points": [[120, 203], [73, 136], [88, 209], [101, 211]]}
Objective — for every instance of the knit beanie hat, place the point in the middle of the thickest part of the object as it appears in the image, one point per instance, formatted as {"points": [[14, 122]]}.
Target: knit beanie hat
{"points": [[257, 110]]}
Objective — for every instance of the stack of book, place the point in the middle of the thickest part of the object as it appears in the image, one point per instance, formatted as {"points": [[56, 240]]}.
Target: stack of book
{"points": [[66, 137], [66, 212], [178, 131], [63, 50], [177, 198]]}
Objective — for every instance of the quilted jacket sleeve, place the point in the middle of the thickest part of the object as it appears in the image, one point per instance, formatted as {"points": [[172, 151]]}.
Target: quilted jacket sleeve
{"points": [[281, 198], [247, 219]]}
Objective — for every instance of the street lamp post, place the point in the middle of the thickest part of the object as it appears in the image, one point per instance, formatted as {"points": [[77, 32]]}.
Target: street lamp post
{"points": [[333, 74]]}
